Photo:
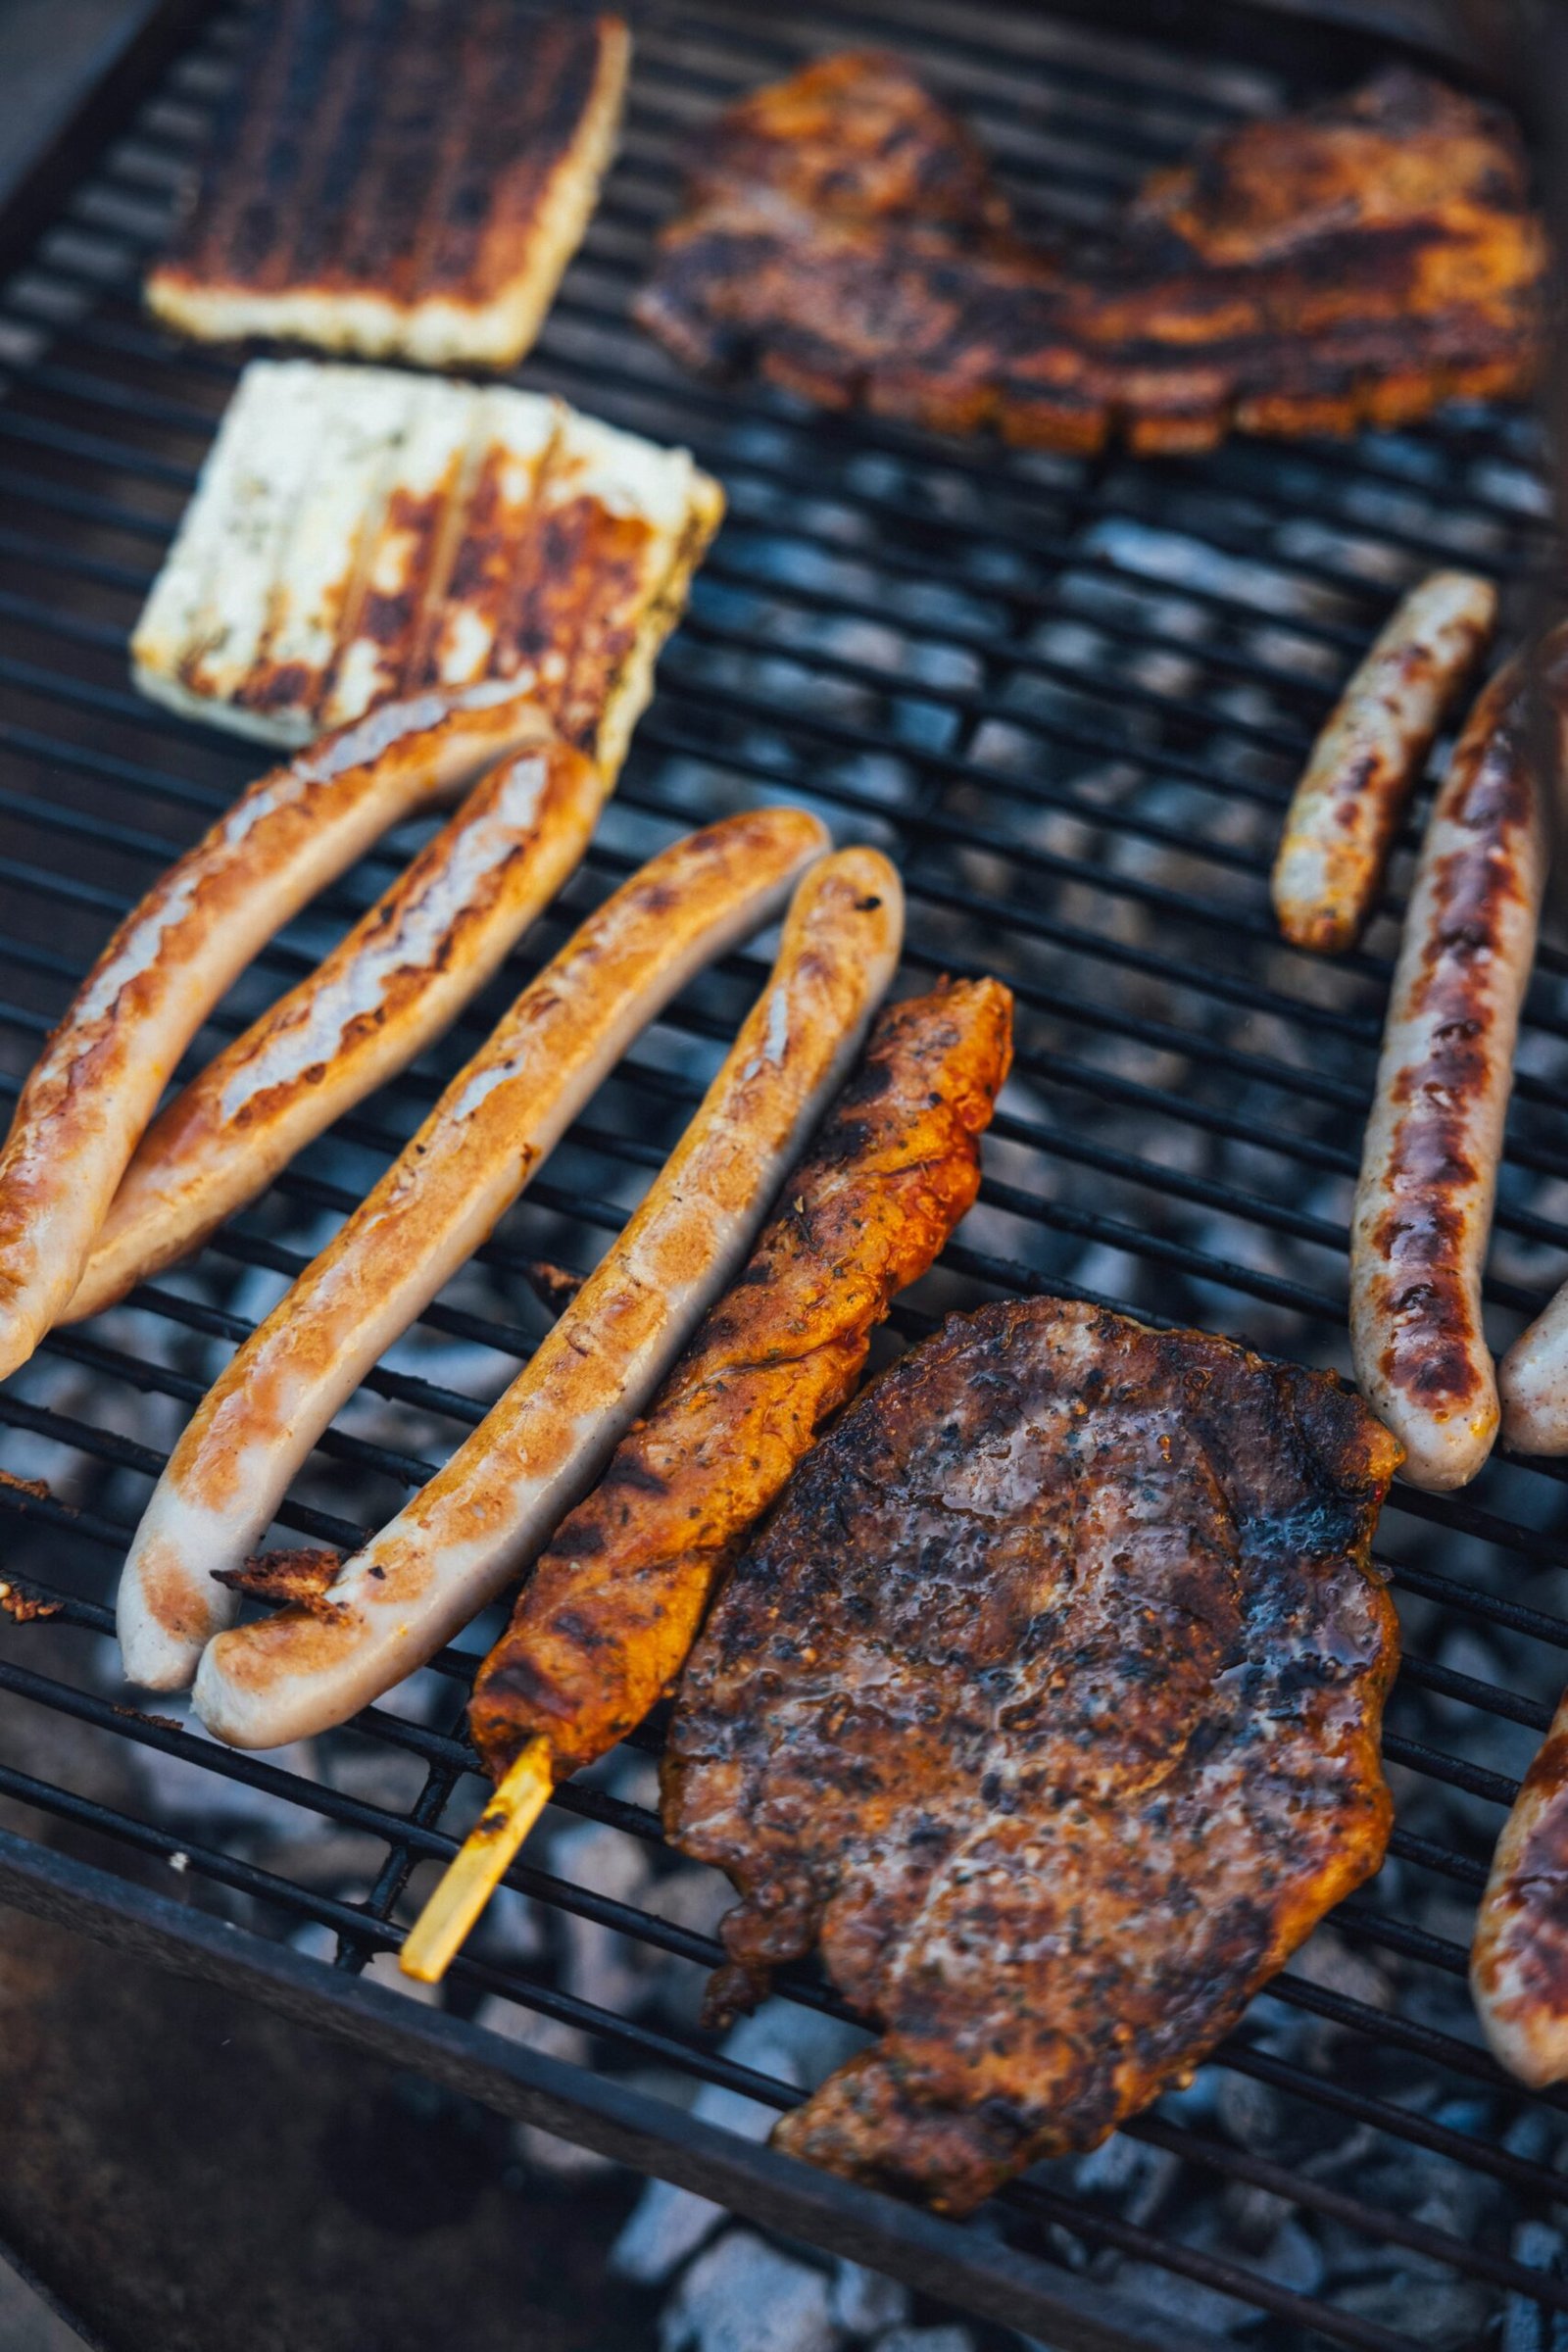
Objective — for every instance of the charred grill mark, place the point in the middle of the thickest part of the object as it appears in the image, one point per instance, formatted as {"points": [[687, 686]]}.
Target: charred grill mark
{"points": [[396, 149]]}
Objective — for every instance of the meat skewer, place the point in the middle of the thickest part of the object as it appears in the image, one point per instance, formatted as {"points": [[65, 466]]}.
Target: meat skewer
{"points": [[612, 1608], [1519, 1959], [486, 1138], [452, 1549], [1347, 804], [1429, 1166], [1046, 1706], [97, 1082], [386, 991]]}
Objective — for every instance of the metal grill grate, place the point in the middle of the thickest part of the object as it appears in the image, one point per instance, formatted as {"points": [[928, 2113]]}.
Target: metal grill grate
{"points": [[1070, 699]]}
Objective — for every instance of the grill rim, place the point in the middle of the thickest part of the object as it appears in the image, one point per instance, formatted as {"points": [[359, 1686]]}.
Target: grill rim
{"points": [[30, 1886]]}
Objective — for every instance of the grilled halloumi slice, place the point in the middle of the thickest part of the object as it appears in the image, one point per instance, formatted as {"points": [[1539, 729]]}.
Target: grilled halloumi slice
{"points": [[357, 533], [399, 177]]}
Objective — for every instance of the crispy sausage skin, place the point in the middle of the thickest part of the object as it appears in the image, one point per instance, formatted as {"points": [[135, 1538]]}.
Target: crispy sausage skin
{"points": [[1533, 1380], [1519, 1961], [491, 1131], [1429, 1168], [395, 983], [543, 1444], [1347, 805], [97, 1082], [606, 1620]]}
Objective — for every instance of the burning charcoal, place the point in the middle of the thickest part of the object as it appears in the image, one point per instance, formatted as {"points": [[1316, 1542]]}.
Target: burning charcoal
{"points": [[926, 2339], [601, 1966], [798, 2046], [1441, 2314], [864, 2302], [1138, 2178], [1528, 2326], [548, 2153], [742, 2296]]}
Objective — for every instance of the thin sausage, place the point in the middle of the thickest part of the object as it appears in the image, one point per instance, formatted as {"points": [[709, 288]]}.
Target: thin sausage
{"points": [[1347, 805], [491, 1509], [395, 983], [1519, 1960], [1429, 1168], [97, 1083], [610, 1610], [488, 1135]]}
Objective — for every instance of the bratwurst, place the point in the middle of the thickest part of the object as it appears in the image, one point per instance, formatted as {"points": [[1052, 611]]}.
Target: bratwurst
{"points": [[542, 1446], [1429, 1166], [1347, 805], [386, 991], [97, 1082], [486, 1138]]}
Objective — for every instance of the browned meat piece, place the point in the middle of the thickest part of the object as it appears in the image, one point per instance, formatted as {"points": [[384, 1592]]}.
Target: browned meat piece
{"points": [[301, 1578], [398, 178], [1047, 1702], [1361, 262], [610, 1612]]}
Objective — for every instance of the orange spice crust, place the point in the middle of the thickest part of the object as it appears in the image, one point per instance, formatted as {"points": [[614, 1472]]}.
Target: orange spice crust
{"points": [[612, 1607]]}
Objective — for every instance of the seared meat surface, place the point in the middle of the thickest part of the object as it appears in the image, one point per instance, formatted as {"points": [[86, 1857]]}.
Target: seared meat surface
{"points": [[1359, 262], [1048, 1704]]}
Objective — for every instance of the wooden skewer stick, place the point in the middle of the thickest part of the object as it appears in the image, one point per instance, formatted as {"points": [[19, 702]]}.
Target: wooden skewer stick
{"points": [[473, 1873]]}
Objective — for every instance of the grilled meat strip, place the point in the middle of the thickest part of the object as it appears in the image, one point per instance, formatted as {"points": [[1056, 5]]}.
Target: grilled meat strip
{"points": [[1359, 262], [406, 177], [612, 1607], [1047, 1702]]}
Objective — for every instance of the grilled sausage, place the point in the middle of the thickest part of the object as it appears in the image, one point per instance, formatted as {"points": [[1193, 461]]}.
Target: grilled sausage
{"points": [[1347, 805], [489, 1511], [606, 1620], [395, 983], [98, 1080], [1519, 1960], [1429, 1168], [490, 1132], [1533, 1382]]}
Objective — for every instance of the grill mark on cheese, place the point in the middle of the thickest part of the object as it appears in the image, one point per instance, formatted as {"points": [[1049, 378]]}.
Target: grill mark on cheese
{"points": [[495, 532]]}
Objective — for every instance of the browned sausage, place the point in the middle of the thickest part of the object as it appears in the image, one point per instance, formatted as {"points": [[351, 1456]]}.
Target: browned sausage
{"points": [[610, 1610]]}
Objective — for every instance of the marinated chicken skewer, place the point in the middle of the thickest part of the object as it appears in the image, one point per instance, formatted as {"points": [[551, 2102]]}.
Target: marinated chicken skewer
{"points": [[612, 1608], [538, 1451], [1346, 808], [1429, 1166], [97, 1082], [486, 1138]]}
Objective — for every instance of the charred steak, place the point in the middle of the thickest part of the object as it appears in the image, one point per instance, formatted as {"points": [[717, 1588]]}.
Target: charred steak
{"points": [[1048, 1703], [1359, 262]]}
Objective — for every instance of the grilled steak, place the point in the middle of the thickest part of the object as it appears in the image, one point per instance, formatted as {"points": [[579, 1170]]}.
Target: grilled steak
{"points": [[1047, 1702], [406, 177], [1363, 261], [612, 1609]]}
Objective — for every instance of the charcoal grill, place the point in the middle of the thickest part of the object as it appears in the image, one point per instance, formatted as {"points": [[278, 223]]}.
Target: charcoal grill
{"points": [[1070, 698]]}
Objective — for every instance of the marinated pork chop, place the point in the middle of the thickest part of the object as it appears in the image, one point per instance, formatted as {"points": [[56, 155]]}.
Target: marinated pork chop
{"points": [[1360, 262], [1047, 1702]]}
